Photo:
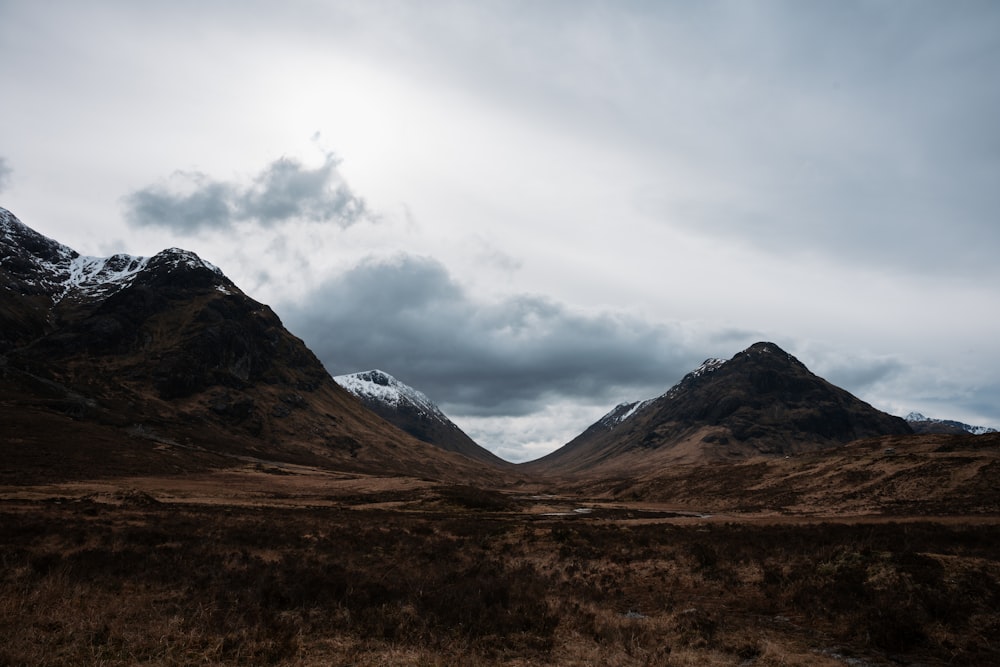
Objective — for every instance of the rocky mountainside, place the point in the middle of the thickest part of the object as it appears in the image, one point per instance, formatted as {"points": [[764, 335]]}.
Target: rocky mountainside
{"points": [[763, 401], [922, 424], [121, 364], [412, 411]]}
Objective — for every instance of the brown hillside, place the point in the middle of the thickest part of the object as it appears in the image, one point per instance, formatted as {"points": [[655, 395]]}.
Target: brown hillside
{"points": [[174, 367], [904, 475], [761, 402]]}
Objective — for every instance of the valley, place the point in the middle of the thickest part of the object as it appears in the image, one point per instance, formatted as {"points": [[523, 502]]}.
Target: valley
{"points": [[274, 563]]}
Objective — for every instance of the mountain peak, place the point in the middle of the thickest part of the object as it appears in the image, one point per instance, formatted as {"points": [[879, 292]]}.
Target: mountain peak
{"points": [[766, 350], [16, 234], [376, 376], [39, 265], [762, 401], [176, 267], [179, 257], [379, 386], [412, 411], [763, 347]]}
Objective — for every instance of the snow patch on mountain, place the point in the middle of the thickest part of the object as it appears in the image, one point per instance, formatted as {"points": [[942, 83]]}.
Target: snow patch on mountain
{"points": [[634, 409], [707, 366], [625, 411], [62, 272], [710, 365], [92, 275], [917, 418], [379, 386], [622, 412]]}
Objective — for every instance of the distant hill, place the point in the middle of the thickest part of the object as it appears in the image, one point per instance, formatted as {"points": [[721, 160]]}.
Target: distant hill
{"points": [[893, 475], [124, 365], [412, 411], [922, 424], [763, 401]]}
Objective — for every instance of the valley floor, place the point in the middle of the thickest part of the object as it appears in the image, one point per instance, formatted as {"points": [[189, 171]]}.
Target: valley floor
{"points": [[287, 565]]}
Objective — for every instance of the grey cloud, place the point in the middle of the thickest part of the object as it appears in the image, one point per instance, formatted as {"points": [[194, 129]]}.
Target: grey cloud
{"points": [[5, 172], [985, 402], [207, 204], [860, 374], [284, 190], [512, 357], [410, 318]]}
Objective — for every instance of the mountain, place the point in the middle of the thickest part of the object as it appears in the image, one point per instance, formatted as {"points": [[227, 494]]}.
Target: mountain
{"points": [[922, 424], [763, 401], [411, 410], [122, 365]]}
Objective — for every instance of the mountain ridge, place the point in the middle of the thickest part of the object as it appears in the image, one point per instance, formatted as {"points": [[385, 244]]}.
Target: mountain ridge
{"points": [[128, 339], [52, 268], [921, 424], [125, 346], [763, 401]]}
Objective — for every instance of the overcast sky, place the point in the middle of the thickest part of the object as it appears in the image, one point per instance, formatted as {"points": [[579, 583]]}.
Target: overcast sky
{"points": [[532, 211]]}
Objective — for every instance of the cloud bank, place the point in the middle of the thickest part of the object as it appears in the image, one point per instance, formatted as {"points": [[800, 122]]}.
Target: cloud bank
{"points": [[284, 190], [510, 357]]}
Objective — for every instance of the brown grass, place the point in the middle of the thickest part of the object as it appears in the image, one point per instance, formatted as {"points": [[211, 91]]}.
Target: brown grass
{"points": [[458, 575]]}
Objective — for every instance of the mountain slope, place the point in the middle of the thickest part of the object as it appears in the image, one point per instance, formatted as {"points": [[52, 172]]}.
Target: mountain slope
{"points": [[763, 401], [413, 412], [127, 364], [914, 475]]}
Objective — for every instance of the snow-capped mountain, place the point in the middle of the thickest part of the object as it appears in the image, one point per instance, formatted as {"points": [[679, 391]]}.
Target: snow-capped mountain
{"points": [[921, 424], [97, 354], [376, 385], [40, 265], [412, 411]]}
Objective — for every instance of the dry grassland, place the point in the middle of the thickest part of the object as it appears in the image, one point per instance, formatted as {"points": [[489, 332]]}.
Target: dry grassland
{"points": [[367, 571]]}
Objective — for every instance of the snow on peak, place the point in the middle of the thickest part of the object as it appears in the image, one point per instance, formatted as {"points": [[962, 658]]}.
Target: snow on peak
{"points": [[709, 365], [379, 386], [625, 411], [622, 412], [178, 257], [62, 272], [916, 417]]}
